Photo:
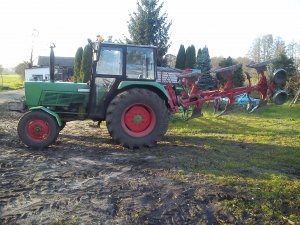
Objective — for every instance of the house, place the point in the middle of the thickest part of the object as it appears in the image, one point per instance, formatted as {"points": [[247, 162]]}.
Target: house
{"points": [[63, 69], [167, 74], [37, 74], [64, 66]]}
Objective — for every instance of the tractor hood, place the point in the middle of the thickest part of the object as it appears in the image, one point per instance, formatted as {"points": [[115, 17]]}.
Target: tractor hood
{"points": [[55, 94]]}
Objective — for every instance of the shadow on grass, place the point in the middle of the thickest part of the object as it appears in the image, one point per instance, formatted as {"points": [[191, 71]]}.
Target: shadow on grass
{"points": [[233, 158]]}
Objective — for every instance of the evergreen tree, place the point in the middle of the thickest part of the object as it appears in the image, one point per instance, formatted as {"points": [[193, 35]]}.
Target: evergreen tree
{"points": [[206, 81], [199, 55], [187, 58], [77, 63], [86, 64], [238, 77], [180, 59], [282, 61], [190, 57], [205, 62], [147, 26]]}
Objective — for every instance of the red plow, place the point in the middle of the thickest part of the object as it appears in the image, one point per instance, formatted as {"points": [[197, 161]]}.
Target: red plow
{"points": [[192, 96]]}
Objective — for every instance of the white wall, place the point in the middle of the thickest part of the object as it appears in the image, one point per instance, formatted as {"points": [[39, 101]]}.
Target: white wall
{"points": [[41, 74]]}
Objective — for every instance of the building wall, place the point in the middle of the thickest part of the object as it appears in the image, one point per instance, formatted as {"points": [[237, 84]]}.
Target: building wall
{"points": [[167, 75], [37, 74]]}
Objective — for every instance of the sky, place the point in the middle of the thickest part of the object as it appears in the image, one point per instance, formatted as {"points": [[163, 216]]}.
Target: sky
{"points": [[226, 27]]}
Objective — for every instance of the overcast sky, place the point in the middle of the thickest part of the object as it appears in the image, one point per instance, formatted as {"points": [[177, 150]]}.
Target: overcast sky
{"points": [[226, 27]]}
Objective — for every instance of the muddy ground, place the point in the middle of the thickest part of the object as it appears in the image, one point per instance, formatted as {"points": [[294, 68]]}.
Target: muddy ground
{"points": [[85, 178]]}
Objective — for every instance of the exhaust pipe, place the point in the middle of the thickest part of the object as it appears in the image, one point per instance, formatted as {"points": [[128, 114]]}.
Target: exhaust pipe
{"points": [[52, 62]]}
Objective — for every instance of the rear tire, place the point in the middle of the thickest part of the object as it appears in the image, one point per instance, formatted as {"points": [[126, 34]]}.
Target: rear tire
{"points": [[137, 118], [38, 129]]}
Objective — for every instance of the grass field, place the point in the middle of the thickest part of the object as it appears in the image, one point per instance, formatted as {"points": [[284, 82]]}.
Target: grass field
{"points": [[10, 82], [257, 156]]}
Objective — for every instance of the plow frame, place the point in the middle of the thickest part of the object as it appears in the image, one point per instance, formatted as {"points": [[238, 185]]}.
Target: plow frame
{"points": [[192, 96]]}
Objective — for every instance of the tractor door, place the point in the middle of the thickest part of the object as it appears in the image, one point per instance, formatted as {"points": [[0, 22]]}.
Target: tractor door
{"points": [[108, 71], [116, 63]]}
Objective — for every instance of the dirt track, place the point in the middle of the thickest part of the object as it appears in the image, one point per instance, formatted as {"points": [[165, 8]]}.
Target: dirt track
{"points": [[87, 179]]}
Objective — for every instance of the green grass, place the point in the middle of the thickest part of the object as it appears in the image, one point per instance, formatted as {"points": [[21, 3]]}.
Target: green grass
{"points": [[256, 155], [10, 82]]}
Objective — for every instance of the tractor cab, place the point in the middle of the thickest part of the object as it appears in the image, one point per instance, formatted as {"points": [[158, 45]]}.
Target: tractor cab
{"points": [[115, 65]]}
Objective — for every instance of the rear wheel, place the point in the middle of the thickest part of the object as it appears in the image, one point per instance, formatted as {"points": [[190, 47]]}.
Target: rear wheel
{"points": [[37, 129], [137, 118]]}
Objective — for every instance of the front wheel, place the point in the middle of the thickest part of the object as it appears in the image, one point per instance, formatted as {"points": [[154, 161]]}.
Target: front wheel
{"points": [[137, 118], [37, 129]]}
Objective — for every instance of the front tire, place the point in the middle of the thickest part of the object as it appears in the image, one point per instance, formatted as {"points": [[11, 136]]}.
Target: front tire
{"points": [[38, 129], [137, 118]]}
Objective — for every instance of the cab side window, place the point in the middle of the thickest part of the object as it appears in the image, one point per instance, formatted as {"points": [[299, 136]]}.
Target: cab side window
{"points": [[140, 63], [110, 61]]}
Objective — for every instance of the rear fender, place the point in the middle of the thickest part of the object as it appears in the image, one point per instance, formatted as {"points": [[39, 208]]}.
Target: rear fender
{"points": [[157, 87], [53, 114]]}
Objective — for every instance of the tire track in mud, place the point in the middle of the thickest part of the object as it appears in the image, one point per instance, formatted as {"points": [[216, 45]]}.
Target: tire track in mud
{"points": [[86, 179]]}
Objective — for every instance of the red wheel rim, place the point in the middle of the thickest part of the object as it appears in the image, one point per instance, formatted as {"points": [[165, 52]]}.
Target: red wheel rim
{"points": [[138, 120], [38, 129]]}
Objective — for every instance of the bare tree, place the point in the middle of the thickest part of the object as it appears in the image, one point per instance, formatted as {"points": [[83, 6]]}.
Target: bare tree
{"points": [[255, 50], [293, 51], [266, 47], [279, 47], [34, 35]]}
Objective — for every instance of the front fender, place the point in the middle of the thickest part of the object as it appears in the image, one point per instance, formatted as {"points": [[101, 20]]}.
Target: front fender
{"points": [[56, 117]]}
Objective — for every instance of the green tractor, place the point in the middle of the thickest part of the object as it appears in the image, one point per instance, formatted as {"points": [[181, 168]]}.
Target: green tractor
{"points": [[122, 91]]}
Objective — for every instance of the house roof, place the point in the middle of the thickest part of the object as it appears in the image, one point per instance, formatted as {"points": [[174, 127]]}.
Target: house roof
{"points": [[59, 61], [168, 69]]}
